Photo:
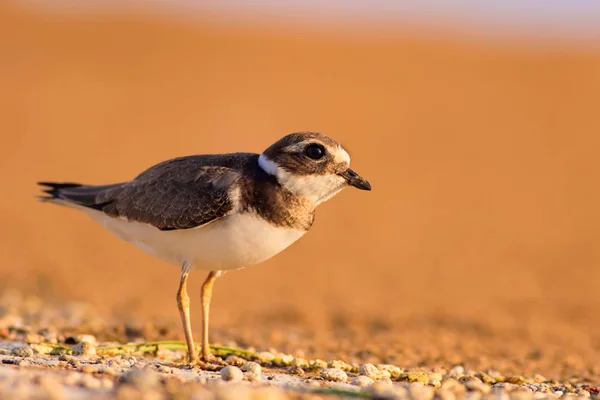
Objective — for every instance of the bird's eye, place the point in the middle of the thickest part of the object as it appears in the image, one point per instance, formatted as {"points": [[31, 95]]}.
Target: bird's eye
{"points": [[315, 151]]}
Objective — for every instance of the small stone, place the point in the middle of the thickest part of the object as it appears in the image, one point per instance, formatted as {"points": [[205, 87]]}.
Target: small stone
{"points": [[485, 378], [418, 391], [392, 369], [381, 390], [504, 386], [84, 349], [265, 357], [414, 376], [452, 385], [476, 386], [253, 367], [517, 380], [231, 374], [386, 381], [34, 338], [370, 370], [91, 339], [338, 364], [24, 351], [88, 369], [165, 370], [334, 374], [109, 371], [362, 381], [253, 371], [472, 396], [88, 381], [300, 363], [296, 371], [456, 371], [141, 378], [106, 383], [583, 392], [235, 360], [435, 376], [283, 360], [318, 364]]}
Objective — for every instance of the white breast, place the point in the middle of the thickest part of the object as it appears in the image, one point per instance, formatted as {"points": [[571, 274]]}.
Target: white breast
{"points": [[236, 241]]}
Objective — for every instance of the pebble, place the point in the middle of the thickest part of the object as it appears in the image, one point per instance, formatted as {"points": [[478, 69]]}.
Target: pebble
{"points": [[476, 386], [265, 357], [517, 380], [84, 349], [300, 363], [231, 374], [418, 391], [362, 381], [318, 364], [283, 360], [88, 381], [141, 378], [88, 369], [296, 371], [24, 351], [109, 371], [253, 371], [452, 385], [91, 339], [381, 390], [414, 376], [485, 378], [370, 370], [456, 371], [334, 374], [253, 367], [338, 364], [392, 369], [235, 360]]}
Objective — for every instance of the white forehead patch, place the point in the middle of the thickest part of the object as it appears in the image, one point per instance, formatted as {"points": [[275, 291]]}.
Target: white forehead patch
{"points": [[340, 155]]}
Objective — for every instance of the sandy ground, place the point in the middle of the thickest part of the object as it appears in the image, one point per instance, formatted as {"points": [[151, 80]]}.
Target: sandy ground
{"points": [[478, 245]]}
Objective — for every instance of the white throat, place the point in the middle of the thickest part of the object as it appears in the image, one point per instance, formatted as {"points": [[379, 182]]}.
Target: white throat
{"points": [[317, 188]]}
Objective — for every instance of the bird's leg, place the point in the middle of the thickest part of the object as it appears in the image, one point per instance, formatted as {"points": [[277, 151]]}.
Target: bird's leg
{"points": [[206, 294], [183, 304]]}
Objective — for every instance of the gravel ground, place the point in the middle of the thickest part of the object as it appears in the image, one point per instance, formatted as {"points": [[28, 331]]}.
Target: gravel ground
{"points": [[70, 352]]}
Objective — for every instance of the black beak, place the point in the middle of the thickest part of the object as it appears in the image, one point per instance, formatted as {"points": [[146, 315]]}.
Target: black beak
{"points": [[355, 180]]}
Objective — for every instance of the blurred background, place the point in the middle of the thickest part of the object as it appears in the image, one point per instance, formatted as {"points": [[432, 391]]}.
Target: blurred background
{"points": [[477, 125]]}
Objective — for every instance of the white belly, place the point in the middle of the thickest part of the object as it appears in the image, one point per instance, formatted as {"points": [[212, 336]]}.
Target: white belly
{"points": [[236, 241]]}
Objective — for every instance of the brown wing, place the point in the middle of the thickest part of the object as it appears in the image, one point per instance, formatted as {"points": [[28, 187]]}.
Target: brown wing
{"points": [[178, 194]]}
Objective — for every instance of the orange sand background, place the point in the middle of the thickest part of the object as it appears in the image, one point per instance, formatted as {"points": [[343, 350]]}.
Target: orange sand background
{"points": [[483, 158]]}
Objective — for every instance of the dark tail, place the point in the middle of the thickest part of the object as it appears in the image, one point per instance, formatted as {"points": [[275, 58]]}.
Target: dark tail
{"points": [[75, 193]]}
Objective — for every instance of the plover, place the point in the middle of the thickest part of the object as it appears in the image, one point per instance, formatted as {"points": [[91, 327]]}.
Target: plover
{"points": [[218, 212]]}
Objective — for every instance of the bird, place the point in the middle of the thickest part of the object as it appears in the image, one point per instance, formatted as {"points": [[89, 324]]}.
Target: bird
{"points": [[217, 212]]}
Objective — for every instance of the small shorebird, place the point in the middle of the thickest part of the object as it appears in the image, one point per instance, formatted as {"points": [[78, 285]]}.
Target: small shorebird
{"points": [[218, 212]]}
